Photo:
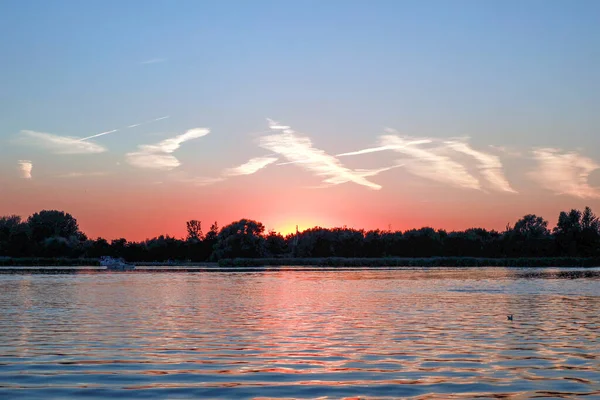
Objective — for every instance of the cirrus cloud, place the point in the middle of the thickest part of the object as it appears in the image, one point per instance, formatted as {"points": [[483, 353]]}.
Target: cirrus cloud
{"points": [[61, 144], [425, 162], [250, 167], [489, 165], [158, 156], [299, 149], [435, 159], [565, 173]]}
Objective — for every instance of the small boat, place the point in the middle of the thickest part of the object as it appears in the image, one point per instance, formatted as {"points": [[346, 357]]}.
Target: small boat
{"points": [[115, 264]]}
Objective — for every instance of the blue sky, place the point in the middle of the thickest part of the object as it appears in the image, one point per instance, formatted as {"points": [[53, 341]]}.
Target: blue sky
{"points": [[515, 74]]}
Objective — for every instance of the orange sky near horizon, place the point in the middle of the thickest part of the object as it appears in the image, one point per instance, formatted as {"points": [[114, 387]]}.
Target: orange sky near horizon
{"points": [[113, 208], [362, 114]]}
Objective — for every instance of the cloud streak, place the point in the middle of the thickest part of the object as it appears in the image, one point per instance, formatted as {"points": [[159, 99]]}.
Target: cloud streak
{"points": [[117, 130], [489, 165], [63, 144], [433, 159], [299, 149], [196, 180], [83, 174], [565, 173], [250, 167], [72, 145], [158, 156], [25, 166], [428, 163]]}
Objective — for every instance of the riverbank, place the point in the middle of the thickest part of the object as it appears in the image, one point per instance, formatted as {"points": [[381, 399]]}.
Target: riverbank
{"points": [[317, 262], [91, 262], [415, 262]]}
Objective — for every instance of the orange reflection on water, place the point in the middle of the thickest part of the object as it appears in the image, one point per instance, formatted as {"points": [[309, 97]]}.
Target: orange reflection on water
{"points": [[400, 333]]}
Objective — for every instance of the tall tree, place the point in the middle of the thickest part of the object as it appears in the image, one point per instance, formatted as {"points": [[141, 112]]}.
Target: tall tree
{"points": [[242, 238], [49, 223], [532, 227], [275, 244], [7, 224], [194, 230], [15, 236], [589, 220], [213, 232]]}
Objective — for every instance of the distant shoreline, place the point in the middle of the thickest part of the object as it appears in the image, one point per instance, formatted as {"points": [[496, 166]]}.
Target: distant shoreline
{"points": [[329, 262], [416, 262]]}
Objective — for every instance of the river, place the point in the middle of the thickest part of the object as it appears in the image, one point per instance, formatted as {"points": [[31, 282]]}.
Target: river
{"points": [[403, 333]]}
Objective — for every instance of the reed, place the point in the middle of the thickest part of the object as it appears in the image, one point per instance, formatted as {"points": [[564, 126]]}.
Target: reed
{"points": [[48, 262], [414, 262]]}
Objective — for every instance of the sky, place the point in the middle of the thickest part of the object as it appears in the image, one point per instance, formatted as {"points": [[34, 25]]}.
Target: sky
{"points": [[136, 116]]}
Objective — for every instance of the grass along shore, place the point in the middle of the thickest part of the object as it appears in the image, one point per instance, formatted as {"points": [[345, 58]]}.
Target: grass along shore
{"points": [[327, 262], [414, 262]]}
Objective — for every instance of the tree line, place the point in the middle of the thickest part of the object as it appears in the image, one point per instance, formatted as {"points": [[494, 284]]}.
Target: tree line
{"points": [[52, 233]]}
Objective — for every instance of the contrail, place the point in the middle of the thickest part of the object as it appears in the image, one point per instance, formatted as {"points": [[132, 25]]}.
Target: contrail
{"points": [[98, 134], [130, 126]]}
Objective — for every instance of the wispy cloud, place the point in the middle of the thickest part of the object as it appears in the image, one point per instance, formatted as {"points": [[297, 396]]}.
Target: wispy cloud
{"points": [[434, 159], [70, 144], [363, 173], [98, 134], [299, 149], [196, 180], [158, 156], [117, 130], [565, 172], [83, 174], [250, 167], [428, 163], [384, 148], [25, 166], [489, 165], [62, 144], [506, 151], [153, 61]]}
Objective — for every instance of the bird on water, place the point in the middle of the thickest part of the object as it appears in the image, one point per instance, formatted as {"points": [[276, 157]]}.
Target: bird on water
{"points": [[509, 317]]}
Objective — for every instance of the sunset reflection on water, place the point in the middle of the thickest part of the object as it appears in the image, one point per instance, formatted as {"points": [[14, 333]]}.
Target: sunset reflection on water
{"points": [[434, 333]]}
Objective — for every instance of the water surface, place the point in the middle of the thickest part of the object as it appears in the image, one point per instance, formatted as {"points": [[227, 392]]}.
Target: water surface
{"points": [[422, 333]]}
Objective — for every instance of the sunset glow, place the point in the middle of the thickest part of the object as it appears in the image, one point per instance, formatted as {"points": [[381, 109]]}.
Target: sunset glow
{"points": [[185, 125]]}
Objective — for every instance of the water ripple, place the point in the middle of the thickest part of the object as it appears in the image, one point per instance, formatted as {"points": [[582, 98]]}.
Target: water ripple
{"points": [[412, 333]]}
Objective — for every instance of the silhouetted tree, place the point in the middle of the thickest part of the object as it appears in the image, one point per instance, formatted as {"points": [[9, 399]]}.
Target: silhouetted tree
{"points": [[275, 244], [49, 223], [589, 220], [424, 242], [240, 239], [528, 238], [194, 230], [56, 246], [56, 234], [15, 236], [7, 224], [213, 232], [196, 250], [98, 248], [531, 227], [373, 244], [461, 244], [578, 233], [589, 239], [117, 247], [567, 231]]}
